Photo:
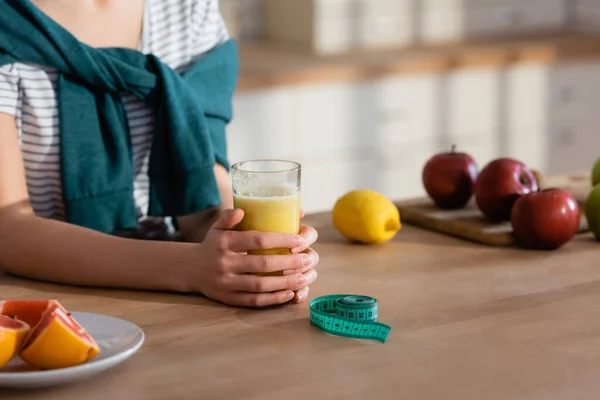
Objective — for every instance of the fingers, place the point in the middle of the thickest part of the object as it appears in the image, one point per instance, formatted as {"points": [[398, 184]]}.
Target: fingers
{"points": [[314, 260], [268, 284], [310, 276], [229, 219], [254, 264], [262, 291], [302, 214], [264, 299], [310, 236], [254, 240], [256, 299], [301, 295], [257, 264], [260, 299]]}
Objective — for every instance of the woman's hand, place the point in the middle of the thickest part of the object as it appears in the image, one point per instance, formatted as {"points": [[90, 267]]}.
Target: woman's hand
{"points": [[228, 273], [310, 236]]}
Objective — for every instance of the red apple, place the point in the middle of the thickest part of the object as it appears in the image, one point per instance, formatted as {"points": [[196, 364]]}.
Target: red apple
{"points": [[449, 179], [545, 220], [500, 184]]}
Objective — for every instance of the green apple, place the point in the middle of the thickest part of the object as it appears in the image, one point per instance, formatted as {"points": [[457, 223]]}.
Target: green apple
{"points": [[592, 211], [596, 173]]}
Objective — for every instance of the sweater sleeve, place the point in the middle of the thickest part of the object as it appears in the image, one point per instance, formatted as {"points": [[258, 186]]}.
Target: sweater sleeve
{"points": [[9, 89]]}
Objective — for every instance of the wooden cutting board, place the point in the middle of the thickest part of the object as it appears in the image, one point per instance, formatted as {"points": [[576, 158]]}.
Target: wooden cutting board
{"points": [[469, 223]]}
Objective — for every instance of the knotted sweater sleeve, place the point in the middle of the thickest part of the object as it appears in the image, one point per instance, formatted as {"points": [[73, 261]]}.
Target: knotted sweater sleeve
{"points": [[9, 89]]}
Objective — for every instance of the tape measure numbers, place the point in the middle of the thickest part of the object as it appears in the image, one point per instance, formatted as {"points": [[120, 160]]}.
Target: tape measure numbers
{"points": [[348, 315]]}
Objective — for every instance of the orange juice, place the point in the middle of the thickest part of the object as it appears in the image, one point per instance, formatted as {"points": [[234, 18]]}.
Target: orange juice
{"points": [[269, 209]]}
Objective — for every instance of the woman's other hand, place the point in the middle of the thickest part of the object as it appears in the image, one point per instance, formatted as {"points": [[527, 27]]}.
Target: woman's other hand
{"points": [[310, 236], [228, 274]]}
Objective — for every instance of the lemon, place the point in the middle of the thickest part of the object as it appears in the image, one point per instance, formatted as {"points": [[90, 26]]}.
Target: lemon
{"points": [[366, 216]]}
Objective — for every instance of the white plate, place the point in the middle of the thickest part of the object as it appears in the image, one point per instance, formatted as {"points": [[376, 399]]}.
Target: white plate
{"points": [[118, 340]]}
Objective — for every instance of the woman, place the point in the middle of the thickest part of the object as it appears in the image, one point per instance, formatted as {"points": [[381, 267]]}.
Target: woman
{"points": [[113, 114]]}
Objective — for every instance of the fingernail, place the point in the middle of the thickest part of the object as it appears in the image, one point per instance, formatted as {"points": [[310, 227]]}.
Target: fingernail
{"points": [[300, 241], [302, 295], [300, 279], [306, 259], [289, 272], [289, 294]]}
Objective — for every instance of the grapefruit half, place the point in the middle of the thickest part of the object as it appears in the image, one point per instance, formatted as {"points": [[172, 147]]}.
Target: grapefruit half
{"points": [[12, 335], [28, 311], [56, 339]]}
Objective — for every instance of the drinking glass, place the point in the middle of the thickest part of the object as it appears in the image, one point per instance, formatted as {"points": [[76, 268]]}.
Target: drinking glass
{"points": [[269, 193]]}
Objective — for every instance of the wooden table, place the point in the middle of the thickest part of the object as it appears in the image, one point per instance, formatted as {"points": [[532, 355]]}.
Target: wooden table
{"points": [[469, 322]]}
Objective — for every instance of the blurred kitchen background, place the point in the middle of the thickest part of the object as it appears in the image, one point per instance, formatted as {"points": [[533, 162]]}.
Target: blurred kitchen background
{"points": [[363, 92]]}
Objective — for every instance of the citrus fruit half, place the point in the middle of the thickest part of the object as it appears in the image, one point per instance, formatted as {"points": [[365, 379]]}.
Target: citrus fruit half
{"points": [[29, 311], [56, 339], [12, 335]]}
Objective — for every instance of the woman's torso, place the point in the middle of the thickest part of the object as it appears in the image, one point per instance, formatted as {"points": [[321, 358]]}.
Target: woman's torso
{"points": [[176, 31]]}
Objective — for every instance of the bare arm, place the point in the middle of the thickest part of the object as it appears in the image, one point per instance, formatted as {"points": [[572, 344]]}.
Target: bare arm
{"points": [[219, 267], [194, 227], [51, 250]]}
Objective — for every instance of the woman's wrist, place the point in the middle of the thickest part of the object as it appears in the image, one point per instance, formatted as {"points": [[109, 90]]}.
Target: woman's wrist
{"points": [[177, 273]]}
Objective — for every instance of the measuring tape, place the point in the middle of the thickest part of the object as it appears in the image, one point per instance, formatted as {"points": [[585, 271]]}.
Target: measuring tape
{"points": [[348, 315]]}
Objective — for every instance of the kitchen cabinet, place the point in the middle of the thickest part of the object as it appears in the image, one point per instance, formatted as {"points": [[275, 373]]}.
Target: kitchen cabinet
{"points": [[264, 125], [453, 20], [471, 101], [406, 110], [375, 133], [243, 18], [584, 15], [398, 170], [333, 119], [372, 134], [325, 181], [231, 12], [378, 133], [527, 113], [406, 131], [335, 26], [574, 119], [553, 117]]}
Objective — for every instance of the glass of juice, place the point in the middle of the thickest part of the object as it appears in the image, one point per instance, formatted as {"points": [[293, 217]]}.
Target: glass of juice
{"points": [[269, 193]]}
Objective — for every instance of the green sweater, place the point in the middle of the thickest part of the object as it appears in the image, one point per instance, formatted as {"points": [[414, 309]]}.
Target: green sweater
{"points": [[97, 172]]}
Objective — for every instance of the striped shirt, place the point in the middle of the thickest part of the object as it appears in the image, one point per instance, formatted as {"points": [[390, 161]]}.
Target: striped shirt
{"points": [[177, 31]]}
